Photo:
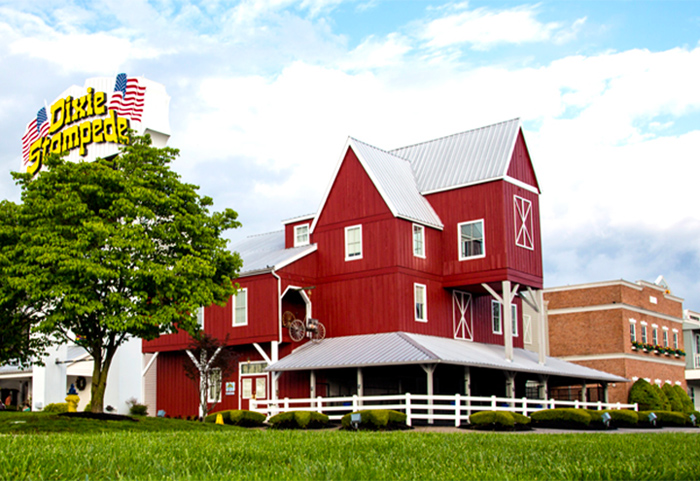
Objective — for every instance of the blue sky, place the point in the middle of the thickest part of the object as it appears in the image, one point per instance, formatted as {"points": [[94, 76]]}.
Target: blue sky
{"points": [[264, 94]]}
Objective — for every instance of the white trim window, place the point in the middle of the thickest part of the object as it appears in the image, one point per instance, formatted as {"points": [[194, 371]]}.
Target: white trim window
{"points": [[497, 317], [418, 241], [633, 330], [353, 242], [421, 303], [471, 240], [239, 303], [301, 235], [645, 337], [675, 339], [200, 317], [214, 386], [655, 336], [665, 336], [522, 209]]}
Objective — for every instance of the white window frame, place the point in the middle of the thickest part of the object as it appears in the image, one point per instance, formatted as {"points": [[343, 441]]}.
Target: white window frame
{"points": [[645, 334], [665, 336], [234, 307], [655, 335], [297, 233], [483, 240], [522, 212], [200, 317], [420, 316], [418, 245], [354, 255], [513, 317], [633, 330], [496, 309], [214, 380], [675, 338]]}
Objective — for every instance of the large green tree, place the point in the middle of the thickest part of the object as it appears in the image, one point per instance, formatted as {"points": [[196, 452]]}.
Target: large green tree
{"points": [[116, 248]]}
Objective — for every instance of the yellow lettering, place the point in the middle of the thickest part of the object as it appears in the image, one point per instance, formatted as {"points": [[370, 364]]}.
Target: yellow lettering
{"points": [[110, 126], [58, 116], [71, 138], [90, 97], [100, 101], [69, 110], [123, 129], [35, 156], [85, 137], [56, 141], [97, 132]]}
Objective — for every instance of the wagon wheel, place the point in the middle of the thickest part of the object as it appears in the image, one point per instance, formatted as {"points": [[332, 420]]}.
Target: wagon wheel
{"points": [[297, 330], [287, 318], [320, 333]]}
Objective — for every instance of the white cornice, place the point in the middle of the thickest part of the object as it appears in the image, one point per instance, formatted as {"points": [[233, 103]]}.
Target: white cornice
{"points": [[607, 307], [622, 355]]}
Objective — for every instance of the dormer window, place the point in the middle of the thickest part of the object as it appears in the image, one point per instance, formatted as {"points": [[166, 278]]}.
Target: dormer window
{"points": [[301, 235], [471, 240]]}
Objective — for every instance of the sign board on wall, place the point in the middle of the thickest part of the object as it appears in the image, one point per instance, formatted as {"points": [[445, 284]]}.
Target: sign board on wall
{"points": [[93, 121]]}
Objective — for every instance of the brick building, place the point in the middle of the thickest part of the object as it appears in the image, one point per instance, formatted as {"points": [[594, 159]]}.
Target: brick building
{"points": [[633, 330], [691, 337]]}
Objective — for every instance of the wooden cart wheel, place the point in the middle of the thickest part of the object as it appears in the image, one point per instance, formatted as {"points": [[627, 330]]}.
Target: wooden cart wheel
{"points": [[320, 333], [287, 318], [297, 330]]}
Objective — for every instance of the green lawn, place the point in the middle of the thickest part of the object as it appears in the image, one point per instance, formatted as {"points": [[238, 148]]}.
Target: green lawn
{"points": [[170, 449]]}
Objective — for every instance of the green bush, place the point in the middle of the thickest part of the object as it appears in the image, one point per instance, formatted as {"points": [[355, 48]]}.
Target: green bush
{"points": [[566, 418], [686, 402], [492, 420], [298, 420], [673, 398], [623, 417], [670, 418], [646, 397], [88, 407], [238, 417], [377, 420], [136, 408], [665, 403], [520, 419], [697, 418], [644, 421], [56, 408]]}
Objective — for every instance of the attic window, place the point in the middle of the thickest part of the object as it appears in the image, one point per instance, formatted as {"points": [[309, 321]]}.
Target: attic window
{"points": [[301, 235], [353, 243], [418, 240]]}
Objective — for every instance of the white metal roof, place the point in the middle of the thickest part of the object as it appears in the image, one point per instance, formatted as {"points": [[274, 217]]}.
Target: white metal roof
{"points": [[395, 181], [461, 159], [402, 348], [261, 253]]}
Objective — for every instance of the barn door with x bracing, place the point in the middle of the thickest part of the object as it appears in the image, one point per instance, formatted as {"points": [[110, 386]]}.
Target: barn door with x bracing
{"points": [[462, 315]]}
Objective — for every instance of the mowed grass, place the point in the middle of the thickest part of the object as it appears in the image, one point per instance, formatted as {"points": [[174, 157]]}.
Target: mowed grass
{"points": [[222, 452]]}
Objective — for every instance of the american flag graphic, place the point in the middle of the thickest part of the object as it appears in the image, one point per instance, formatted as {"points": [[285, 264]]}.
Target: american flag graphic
{"points": [[37, 128], [127, 99]]}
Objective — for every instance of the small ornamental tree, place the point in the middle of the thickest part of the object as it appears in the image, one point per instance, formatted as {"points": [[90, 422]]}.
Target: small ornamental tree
{"points": [[112, 249], [647, 398], [210, 361], [673, 399]]}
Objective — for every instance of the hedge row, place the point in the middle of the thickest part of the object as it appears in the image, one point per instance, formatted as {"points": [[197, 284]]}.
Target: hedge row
{"points": [[499, 421]]}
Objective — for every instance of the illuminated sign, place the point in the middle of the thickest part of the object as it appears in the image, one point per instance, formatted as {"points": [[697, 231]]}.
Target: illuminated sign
{"points": [[93, 121]]}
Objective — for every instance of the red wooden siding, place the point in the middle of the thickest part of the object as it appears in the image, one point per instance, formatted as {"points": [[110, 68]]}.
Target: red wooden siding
{"points": [[525, 264], [520, 164]]}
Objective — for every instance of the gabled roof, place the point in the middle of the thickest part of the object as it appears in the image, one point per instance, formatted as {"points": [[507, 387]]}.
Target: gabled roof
{"points": [[466, 158], [394, 180], [402, 348], [265, 252]]}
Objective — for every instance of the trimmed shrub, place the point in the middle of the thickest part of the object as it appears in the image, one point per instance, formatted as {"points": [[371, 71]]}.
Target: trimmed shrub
{"points": [[646, 397], [644, 421], [564, 418], [670, 418], [686, 402], [298, 420], [56, 408], [521, 419], [622, 418], [238, 417], [377, 420], [665, 403], [492, 420], [673, 399], [697, 418]]}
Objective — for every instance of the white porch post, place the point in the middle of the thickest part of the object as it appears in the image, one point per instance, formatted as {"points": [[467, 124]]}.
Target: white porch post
{"points": [[510, 384], [584, 395], [468, 388], [543, 387], [360, 385], [506, 300], [605, 392], [274, 357], [312, 386], [429, 370]]}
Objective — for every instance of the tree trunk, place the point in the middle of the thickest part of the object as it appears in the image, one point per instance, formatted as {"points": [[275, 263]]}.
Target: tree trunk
{"points": [[99, 376]]}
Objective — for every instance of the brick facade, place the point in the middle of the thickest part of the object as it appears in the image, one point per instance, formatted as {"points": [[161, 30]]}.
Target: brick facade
{"points": [[589, 324]]}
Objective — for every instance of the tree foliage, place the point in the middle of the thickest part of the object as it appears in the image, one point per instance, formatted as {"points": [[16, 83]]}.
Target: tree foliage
{"points": [[115, 248]]}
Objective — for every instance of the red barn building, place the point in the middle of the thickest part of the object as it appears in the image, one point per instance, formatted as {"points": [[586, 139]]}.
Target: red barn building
{"points": [[407, 265]]}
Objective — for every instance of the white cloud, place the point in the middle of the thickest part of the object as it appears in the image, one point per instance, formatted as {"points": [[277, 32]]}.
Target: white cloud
{"points": [[484, 28]]}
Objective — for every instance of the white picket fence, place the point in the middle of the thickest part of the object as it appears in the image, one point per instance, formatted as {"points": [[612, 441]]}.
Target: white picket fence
{"points": [[454, 408]]}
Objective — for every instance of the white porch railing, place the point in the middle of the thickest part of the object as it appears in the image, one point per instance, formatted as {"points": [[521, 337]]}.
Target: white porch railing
{"points": [[455, 408]]}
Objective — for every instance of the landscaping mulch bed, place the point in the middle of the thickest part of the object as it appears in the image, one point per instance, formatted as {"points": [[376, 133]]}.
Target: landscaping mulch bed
{"points": [[99, 416]]}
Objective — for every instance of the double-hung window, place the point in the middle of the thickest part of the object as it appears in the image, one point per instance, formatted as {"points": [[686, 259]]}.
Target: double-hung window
{"points": [[645, 338], [418, 240], [497, 318], [301, 235], [471, 240], [665, 336], [655, 335], [675, 339], [633, 330], [353, 242], [240, 308], [419, 296]]}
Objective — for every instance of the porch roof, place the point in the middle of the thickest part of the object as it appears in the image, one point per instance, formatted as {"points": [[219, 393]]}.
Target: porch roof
{"points": [[403, 348]]}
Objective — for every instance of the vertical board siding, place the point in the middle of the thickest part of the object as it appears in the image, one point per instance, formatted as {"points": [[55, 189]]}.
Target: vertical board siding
{"points": [[520, 164], [526, 261]]}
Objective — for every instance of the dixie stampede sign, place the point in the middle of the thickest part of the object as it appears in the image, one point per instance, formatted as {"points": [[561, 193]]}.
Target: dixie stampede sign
{"points": [[94, 120]]}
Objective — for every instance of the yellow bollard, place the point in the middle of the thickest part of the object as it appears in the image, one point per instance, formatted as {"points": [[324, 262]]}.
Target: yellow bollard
{"points": [[219, 419]]}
